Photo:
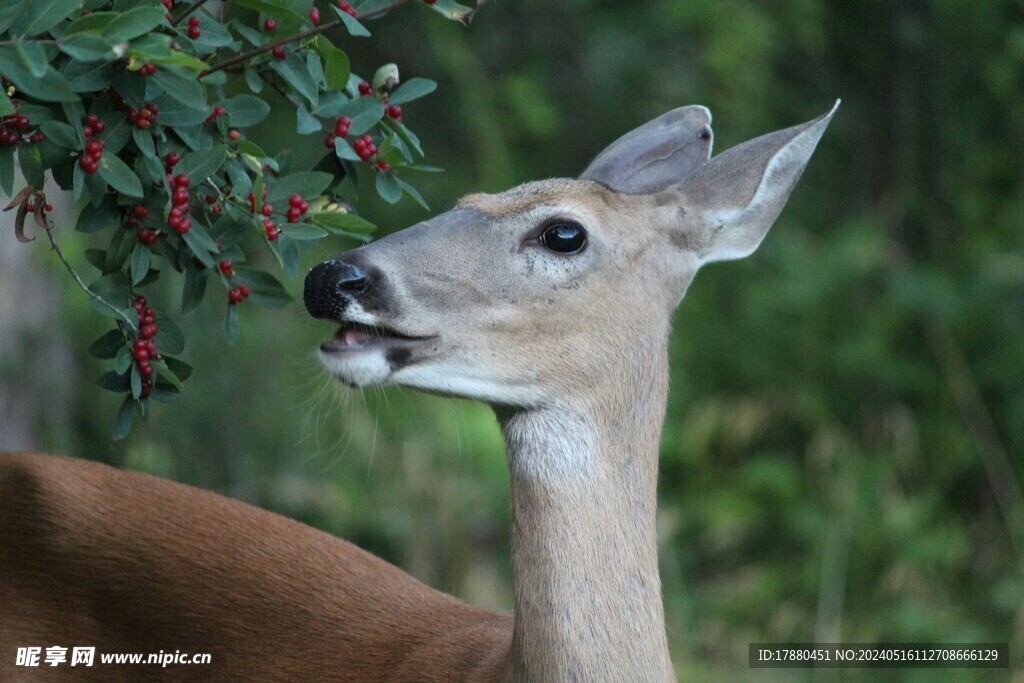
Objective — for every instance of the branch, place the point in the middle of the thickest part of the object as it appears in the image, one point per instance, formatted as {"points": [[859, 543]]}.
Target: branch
{"points": [[188, 10], [298, 36], [85, 288]]}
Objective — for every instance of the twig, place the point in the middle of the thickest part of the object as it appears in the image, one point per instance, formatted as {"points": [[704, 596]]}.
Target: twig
{"points": [[85, 288], [188, 10], [12, 43], [297, 36]]}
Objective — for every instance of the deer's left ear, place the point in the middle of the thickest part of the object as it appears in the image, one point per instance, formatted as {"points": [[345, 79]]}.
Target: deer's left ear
{"points": [[730, 203], [657, 155]]}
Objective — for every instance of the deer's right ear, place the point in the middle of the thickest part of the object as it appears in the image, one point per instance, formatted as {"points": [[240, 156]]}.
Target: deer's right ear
{"points": [[732, 201], [656, 155]]}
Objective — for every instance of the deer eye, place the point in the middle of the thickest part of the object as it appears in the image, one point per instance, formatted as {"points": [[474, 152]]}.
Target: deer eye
{"points": [[564, 237]]}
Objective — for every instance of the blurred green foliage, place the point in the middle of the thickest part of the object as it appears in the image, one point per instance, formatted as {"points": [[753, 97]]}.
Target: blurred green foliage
{"points": [[843, 454]]}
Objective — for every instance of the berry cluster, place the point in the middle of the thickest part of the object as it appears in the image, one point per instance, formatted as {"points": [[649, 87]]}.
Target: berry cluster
{"points": [[12, 123], [340, 131], [364, 147], [236, 295], [147, 236], [193, 28], [145, 117], [168, 5], [144, 349], [178, 218], [92, 124], [90, 159], [147, 69], [297, 207], [217, 112], [314, 16], [347, 8]]}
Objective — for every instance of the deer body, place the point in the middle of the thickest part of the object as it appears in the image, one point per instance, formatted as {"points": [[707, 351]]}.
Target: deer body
{"points": [[551, 302]]}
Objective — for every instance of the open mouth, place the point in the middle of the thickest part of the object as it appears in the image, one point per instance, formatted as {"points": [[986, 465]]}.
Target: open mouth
{"points": [[352, 336]]}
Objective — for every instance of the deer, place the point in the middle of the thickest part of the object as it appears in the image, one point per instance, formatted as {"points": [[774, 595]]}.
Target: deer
{"points": [[552, 303]]}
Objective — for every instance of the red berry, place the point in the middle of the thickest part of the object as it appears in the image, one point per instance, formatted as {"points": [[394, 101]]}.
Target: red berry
{"points": [[347, 8], [267, 210], [364, 88], [293, 214], [279, 52], [180, 196], [37, 137], [171, 159], [395, 112], [225, 267], [88, 165], [140, 211], [181, 180], [295, 200], [233, 135], [87, 131], [384, 166], [235, 296], [93, 148], [244, 289], [145, 369], [184, 226], [148, 331], [193, 21], [216, 209], [210, 199], [49, 206], [269, 25], [314, 16], [193, 32], [148, 69], [430, 2], [329, 141]]}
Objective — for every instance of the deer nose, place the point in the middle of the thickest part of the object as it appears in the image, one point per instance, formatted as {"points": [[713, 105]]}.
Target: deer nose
{"points": [[331, 285]]}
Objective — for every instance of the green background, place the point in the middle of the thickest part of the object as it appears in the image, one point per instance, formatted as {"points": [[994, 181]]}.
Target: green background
{"points": [[845, 436]]}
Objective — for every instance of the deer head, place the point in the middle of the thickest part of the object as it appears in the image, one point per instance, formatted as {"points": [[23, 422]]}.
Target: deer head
{"points": [[528, 297]]}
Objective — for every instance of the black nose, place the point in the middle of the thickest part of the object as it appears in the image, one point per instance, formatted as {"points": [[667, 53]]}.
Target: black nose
{"points": [[331, 285]]}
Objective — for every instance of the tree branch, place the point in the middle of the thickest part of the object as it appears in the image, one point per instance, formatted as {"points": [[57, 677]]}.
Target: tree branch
{"points": [[249, 54]]}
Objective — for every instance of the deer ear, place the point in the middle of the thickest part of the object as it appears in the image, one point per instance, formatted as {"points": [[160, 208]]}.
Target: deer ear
{"points": [[732, 201], [656, 155]]}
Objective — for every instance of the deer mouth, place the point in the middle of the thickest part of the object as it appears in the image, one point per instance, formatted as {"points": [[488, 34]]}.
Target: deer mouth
{"points": [[353, 336]]}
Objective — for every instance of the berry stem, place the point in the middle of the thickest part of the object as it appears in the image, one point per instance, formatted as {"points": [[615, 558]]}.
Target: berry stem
{"points": [[187, 11], [81, 283], [244, 56]]}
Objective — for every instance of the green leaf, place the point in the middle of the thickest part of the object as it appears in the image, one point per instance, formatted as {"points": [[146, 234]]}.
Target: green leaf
{"points": [[451, 10], [231, 324], [412, 192], [111, 381], [295, 72], [365, 116], [253, 80], [135, 22], [167, 374], [178, 58], [345, 222], [307, 183], [407, 136], [123, 359], [96, 22], [344, 150], [108, 345], [139, 263], [388, 188], [88, 47], [60, 133], [303, 231], [40, 16], [6, 107], [186, 90], [305, 123], [7, 170], [93, 219], [352, 24], [31, 166], [119, 176], [125, 415], [336, 64], [413, 89], [278, 9], [265, 289], [33, 57], [144, 141], [194, 288], [136, 382], [180, 368], [50, 87], [170, 338], [246, 110], [202, 163]]}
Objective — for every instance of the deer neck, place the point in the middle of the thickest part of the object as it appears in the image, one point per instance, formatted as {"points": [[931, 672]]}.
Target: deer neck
{"points": [[584, 546]]}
